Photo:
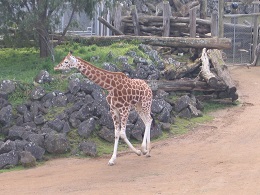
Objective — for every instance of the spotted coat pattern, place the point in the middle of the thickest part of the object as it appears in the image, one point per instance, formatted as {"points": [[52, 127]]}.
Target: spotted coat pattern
{"points": [[123, 93]]}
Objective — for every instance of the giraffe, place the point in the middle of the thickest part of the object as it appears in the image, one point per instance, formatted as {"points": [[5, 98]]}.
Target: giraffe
{"points": [[123, 93]]}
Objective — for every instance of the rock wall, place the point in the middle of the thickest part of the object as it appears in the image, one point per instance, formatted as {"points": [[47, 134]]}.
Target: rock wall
{"points": [[53, 122]]}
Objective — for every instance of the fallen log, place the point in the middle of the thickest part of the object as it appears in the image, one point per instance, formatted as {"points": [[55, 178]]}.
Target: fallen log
{"points": [[212, 43], [222, 71], [112, 28], [172, 72], [205, 72], [184, 85]]}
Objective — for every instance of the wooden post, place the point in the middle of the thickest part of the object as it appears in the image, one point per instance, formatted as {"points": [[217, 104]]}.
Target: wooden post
{"points": [[193, 22], [135, 20], [255, 32], [214, 24], [220, 18], [166, 19], [203, 9], [118, 16]]}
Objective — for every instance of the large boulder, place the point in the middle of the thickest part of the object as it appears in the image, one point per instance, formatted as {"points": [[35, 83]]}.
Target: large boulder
{"points": [[16, 132], [110, 67], [87, 127], [74, 86], [7, 86], [56, 124], [43, 77], [106, 119], [27, 159], [6, 114], [88, 86], [7, 146], [56, 143], [159, 104], [165, 116], [182, 103], [88, 147], [38, 139], [35, 150], [59, 99], [37, 93], [107, 134], [3, 103], [9, 159]]}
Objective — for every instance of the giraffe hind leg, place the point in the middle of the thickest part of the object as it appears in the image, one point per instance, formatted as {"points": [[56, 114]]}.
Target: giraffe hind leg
{"points": [[146, 144], [147, 119], [124, 118]]}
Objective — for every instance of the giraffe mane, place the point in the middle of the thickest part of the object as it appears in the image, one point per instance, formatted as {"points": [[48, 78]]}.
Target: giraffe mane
{"points": [[106, 71]]}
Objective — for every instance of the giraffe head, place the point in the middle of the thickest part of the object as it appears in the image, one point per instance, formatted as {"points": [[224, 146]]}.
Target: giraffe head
{"points": [[67, 63]]}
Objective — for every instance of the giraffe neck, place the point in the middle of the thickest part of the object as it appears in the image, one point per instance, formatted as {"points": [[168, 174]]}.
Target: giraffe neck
{"points": [[103, 78]]}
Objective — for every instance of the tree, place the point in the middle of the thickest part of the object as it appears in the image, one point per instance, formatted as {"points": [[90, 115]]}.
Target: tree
{"points": [[24, 20]]}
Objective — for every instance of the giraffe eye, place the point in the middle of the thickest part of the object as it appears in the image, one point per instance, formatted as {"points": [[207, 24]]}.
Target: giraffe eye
{"points": [[66, 62]]}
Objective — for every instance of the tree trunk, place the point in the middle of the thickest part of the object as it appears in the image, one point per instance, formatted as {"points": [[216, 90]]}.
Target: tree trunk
{"points": [[44, 43]]}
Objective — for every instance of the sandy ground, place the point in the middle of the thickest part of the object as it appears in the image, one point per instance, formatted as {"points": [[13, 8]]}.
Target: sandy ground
{"points": [[220, 157]]}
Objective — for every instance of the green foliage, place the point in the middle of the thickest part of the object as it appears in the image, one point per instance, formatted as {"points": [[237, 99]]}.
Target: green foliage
{"points": [[29, 23]]}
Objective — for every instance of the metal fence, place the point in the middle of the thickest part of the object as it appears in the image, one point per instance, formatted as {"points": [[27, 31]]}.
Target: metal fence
{"points": [[240, 31]]}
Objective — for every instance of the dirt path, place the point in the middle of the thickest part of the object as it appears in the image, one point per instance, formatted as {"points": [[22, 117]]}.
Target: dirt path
{"points": [[221, 157]]}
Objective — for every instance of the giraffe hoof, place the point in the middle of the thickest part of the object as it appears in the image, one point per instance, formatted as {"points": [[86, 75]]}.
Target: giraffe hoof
{"points": [[148, 155], [138, 152], [111, 163], [144, 151]]}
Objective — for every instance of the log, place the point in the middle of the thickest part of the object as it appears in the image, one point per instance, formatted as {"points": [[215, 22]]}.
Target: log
{"points": [[112, 28], [205, 73], [183, 85], [212, 43], [172, 73], [218, 63], [183, 9], [146, 20]]}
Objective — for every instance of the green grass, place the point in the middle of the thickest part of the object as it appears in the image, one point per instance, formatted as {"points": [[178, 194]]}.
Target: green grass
{"points": [[210, 106], [22, 65]]}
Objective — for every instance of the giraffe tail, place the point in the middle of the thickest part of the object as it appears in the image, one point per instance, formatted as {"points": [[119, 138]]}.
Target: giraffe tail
{"points": [[153, 121]]}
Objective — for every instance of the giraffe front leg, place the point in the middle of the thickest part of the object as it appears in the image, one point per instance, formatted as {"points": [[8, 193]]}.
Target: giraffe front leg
{"points": [[116, 120], [112, 160]]}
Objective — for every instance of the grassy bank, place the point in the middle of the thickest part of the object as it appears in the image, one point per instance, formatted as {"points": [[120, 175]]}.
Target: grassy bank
{"points": [[22, 65]]}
